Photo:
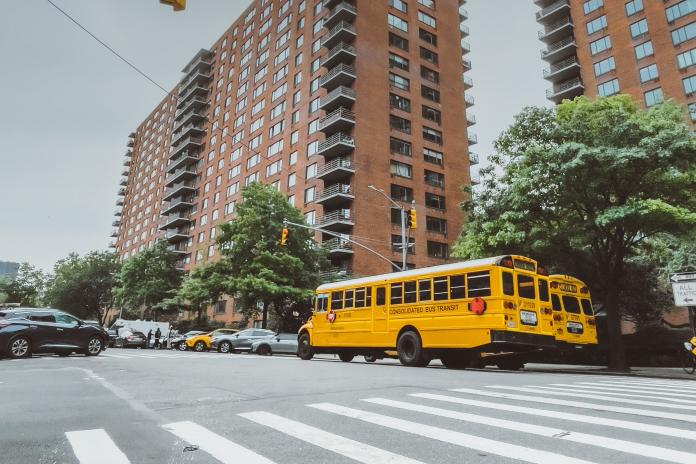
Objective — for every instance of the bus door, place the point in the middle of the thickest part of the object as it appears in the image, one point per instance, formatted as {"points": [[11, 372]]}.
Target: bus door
{"points": [[574, 326], [379, 310], [527, 302], [546, 314]]}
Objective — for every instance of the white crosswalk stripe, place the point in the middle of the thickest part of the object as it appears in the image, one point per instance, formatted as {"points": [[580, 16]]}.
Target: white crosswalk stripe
{"points": [[352, 449], [671, 382], [486, 445], [655, 390], [674, 388], [585, 389], [95, 447]]}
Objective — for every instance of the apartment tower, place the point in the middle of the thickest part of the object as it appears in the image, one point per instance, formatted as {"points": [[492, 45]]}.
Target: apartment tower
{"points": [[644, 48], [324, 101]]}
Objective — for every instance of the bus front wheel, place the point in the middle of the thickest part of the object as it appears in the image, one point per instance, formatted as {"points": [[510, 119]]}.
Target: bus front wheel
{"points": [[304, 348], [410, 350]]}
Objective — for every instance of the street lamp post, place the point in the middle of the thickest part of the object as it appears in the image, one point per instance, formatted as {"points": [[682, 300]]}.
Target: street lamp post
{"points": [[404, 237]]}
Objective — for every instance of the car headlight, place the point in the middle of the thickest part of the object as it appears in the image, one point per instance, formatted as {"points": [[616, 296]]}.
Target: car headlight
{"points": [[688, 346]]}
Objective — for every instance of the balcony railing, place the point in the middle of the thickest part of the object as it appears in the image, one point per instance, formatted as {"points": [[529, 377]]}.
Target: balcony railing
{"points": [[190, 104], [340, 117], [340, 190], [180, 174], [338, 54], [337, 245], [472, 138], [473, 158], [341, 12], [565, 89], [475, 178], [342, 30], [469, 100], [175, 220], [466, 64], [342, 74], [553, 29], [336, 166], [183, 160], [337, 142], [340, 96], [555, 8], [338, 216], [470, 119], [468, 82]]}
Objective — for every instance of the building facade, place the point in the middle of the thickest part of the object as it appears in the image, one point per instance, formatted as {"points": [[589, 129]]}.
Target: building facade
{"points": [[8, 270], [644, 48], [323, 100]]}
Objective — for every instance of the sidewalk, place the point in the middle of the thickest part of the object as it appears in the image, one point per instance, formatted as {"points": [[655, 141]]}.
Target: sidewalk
{"points": [[651, 372]]}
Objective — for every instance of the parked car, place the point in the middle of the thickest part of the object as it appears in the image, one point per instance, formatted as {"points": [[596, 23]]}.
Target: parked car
{"points": [[241, 341], [24, 331], [203, 342], [131, 339], [285, 343], [178, 342]]}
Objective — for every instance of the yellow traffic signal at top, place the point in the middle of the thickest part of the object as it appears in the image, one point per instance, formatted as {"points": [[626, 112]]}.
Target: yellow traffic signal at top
{"points": [[412, 218], [178, 5], [284, 237]]}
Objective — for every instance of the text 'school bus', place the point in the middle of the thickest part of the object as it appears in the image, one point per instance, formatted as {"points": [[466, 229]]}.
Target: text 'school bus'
{"points": [[573, 318], [452, 312]]}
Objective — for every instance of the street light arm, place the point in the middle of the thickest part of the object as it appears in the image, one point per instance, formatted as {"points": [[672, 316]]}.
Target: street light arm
{"points": [[381, 192]]}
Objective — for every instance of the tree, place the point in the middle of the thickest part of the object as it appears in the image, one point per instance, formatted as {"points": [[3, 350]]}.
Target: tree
{"points": [[202, 287], [260, 273], [148, 279], [582, 186], [27, 288], [83, 286]]}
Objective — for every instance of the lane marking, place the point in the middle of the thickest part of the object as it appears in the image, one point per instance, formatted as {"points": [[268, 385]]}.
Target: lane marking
{"points": [[449, 436], [119, 356], [616, 423], [624, 446], [669, 387], [628, 392], [351, 449], [660, 388], [674, 382], [581, 404], [536, 389], [95, 447], [217, 446]]}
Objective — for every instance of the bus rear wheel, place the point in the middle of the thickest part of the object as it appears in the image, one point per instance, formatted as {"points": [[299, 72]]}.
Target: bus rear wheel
{"points": [[456, 361], [410, 350], [345, 356], [304, 349], [512, 364]]}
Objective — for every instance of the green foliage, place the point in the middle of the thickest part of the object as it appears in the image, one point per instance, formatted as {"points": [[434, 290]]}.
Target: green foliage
{"points": [[147, 280], [83, 285], [582, 187], [257, 269], [202, 287], [27, 288]]}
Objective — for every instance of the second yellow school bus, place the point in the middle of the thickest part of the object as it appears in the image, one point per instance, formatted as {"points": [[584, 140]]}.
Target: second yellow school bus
{"points": [[452, 312], [573, 316]]}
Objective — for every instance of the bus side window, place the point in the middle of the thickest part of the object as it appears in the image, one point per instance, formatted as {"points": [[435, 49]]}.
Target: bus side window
{"points": [[525, 287], [410, 292], [397, 295], [543, 289], [337, 300], [360, 297], [457, 289], [440, 288], [586, 307], [381, 296], [508, 284], [348, 299], [479, 284], [322, 302], [555, 303], [425, 290]]}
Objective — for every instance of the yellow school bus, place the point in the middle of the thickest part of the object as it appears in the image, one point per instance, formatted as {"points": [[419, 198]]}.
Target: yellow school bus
{"points": [[573, 317], [452, 312]]}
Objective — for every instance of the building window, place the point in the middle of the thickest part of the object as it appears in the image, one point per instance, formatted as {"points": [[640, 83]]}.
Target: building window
{"points": [[600, 45], [400, 147], [399, 82], [427, 19], [608, 88], [428, 55], [438, 250], [400, 169], [692, 111], [592, 5], [432, 156], [311, 171], [653, 97], [633, 7], [436, 225], [604, 66], [399, 102], [430, 75], [396, 61], [399, 5], [400, 124], [644, 49], [689, 85], [309, 194], [398, 42], [430, 94], [680, 9], [432, 135], [686, 59], [220, 307], [683, 34], [434, 201], [431, 114], [428, 3], [397, 23], [597, 24], [639, 28], [434, 178], [649, 73], [400, 193], [396, 241], [427, 37]]}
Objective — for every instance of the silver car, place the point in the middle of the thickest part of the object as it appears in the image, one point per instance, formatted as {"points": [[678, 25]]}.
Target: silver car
{"points": [[281, 343], [241, 341]]}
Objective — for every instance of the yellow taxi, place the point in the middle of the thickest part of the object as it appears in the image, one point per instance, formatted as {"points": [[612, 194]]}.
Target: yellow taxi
{"points": [[203, 342]]}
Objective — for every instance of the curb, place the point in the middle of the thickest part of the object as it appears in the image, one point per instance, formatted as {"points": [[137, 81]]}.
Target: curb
{"points": [[683, 376]]}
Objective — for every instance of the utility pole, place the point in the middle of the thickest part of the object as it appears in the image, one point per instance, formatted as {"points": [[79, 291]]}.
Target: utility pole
{"points": [[404, 233]]}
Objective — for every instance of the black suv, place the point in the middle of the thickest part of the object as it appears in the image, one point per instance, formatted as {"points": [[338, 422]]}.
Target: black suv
{"points": [[24, 331]]}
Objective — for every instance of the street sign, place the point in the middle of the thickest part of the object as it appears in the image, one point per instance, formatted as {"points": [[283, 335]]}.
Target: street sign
{"points": [[684, 288]]}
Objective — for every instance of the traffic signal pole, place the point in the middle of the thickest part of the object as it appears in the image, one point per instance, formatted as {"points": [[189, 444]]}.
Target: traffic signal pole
{"points": [[404, 240]]}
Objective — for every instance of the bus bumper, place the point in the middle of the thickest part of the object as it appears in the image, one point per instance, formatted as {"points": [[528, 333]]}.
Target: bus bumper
{"points": [[517, 341]]}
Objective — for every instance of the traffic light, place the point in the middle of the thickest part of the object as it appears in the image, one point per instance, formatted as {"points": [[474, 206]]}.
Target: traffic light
{"points": [[412, 218], [178, 5], [284, 237]]}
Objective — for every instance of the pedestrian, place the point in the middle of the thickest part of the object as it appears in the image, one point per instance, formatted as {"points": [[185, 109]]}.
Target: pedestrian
{"points": [[158, 335], [149, 338]]}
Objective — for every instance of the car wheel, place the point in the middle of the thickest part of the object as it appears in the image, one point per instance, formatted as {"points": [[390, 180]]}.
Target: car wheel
{"points": [[20, 347], [304, 348], [345, 356], [410, 350], [199, 346], [225, 347], [370, 358], [94, 346], [118, 343], [182, 346], [263, 350]]}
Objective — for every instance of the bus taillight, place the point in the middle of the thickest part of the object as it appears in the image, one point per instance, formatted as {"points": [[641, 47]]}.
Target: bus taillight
{"points": [[477, 306]]}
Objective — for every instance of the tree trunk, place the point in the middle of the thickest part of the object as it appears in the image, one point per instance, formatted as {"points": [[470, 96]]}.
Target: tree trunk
{"points": [[199, 313], [264, 321], [617, 353]]}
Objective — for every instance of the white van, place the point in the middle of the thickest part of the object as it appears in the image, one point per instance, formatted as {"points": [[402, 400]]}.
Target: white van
{"points": [[142, 326]]}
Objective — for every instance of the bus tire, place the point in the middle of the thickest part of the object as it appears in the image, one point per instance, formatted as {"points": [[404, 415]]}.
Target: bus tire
{"points": [[410, 350], [455, 361], [345, 356], [510, 364], [370, 358], [305, 350]]}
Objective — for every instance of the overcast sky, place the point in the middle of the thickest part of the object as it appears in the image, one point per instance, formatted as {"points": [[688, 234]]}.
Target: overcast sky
{"points": [[68, 105]]}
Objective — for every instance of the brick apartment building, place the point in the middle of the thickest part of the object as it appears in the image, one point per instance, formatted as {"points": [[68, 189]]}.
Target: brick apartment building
{"points": [[644, 48], [321, 100]]}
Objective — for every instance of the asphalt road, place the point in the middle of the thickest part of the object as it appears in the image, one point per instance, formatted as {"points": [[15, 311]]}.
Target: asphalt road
{"points": [[165, 407]]}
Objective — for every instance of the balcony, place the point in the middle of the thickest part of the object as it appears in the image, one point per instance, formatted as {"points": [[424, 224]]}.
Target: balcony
{"points": [[125, 171], [337, 169], [463, 14], [475, 178], [176, 220], [469, 100], [112, 244], [180, 175], [183, 160], [335, 194], [344, 11], [336, 145], [122, 191], [466, 64], [340, 75], [557, 31], [129, 153], [336, 273], [190, 117], [340, 96], [563, 70], [337, 247], [123, 181], [464, 30], [127, 162], [553, 11], [114, 233], [176, 236], [132, 135], [468, 82], [131, 143], [199, 77], [184, 145], [470, 119], [178, 249], [341, 53], [118, 213], [338, 120], [187, 130], [176, 205], [191, 104], [341, 32], [192, 92], [179, 190], [203, 57], [116, 223], [473, 158], [466, 48], [472, 138], [336, 220], [566, 90], [119, 202], [559, 50]]}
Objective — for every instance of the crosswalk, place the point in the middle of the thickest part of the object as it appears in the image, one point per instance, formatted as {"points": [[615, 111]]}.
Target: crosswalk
{"points": [[590, 420]]}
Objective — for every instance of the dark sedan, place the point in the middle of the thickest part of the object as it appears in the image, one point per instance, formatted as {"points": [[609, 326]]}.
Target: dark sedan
{"points": [[24, 331]]}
